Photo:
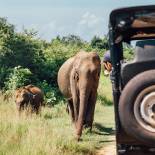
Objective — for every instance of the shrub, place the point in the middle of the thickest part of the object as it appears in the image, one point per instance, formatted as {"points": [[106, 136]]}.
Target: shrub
{"points": [[100, 43], [4, 74], [129, 52], [52, 95], [19, 77]]}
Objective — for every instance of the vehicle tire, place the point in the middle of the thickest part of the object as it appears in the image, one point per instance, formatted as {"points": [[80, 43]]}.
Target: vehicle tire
{"points": [[137, 107]]}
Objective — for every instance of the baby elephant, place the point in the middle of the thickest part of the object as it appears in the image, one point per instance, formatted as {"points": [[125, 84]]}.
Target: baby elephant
{"points": [[29, 96]]}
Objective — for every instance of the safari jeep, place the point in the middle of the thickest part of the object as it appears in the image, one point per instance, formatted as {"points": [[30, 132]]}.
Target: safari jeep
{"points": [[134, 82]]}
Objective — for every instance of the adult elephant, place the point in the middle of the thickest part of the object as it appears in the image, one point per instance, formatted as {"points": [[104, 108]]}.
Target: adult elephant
{"points": [[78, 80]]}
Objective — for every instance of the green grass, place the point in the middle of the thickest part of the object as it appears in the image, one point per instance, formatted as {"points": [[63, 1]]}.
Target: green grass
{"points": [[52, 133], [105, 91]]}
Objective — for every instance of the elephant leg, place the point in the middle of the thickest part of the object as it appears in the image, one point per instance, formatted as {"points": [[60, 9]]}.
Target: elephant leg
{"points": [[76, 110], [90, 110], [20, 109], [67, 108], [37, 109], [70, 109]]}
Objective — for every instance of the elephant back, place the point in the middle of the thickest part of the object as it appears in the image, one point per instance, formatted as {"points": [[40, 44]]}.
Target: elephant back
{"points": [[38, 93]]}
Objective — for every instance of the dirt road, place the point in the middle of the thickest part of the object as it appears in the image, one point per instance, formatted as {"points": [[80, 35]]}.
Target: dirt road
{"points": [[109, 149]]}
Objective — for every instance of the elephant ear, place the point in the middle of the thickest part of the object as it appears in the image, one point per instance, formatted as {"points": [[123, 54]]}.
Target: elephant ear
{"points": [[74, 75], [73, 81]]}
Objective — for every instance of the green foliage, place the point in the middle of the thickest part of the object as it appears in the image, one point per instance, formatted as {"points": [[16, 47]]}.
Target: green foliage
{"points": [[4, 74], [18, 77], [52, 95], [73, 40], [100, 43], [128, 52], [56, 53], [30, 32], [6, 31], [24, 50], [39, 60]]}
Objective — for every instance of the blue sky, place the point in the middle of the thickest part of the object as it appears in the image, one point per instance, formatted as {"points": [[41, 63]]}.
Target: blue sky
{"points": [[50, 18]]}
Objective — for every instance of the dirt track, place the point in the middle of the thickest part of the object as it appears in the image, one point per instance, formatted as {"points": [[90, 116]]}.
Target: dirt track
{"points": [[109, 149]]}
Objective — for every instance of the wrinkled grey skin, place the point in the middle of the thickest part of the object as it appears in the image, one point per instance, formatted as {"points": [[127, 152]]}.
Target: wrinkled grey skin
{"points": [[78, 80]]}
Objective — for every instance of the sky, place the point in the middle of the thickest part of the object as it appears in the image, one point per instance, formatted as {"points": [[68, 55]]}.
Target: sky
{"points": [[50, 18]]}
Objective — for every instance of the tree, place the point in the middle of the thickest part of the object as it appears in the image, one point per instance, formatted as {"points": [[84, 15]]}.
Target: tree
{"points": [[30, 32], [72, 39], [100, 43], [6, 29]]}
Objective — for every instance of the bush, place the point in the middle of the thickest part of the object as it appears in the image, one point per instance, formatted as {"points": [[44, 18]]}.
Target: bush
{"points": [[24, 50], [19, 77], [52, 95], [129, 52], [100, 43], [4, 74]]}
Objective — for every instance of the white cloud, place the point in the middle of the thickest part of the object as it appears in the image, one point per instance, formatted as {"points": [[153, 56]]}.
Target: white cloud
{"points": [[85, 26], [82, 22], [85, 15], [90, 20], [51, 30], [91, 24], [52, 25]]}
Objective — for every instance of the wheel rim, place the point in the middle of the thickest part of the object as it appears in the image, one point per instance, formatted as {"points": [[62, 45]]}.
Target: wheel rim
{"points": [[144, 109]]}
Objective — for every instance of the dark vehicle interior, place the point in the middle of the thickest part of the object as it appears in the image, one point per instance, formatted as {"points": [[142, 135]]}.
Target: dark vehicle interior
{"points": [[144, 54]]}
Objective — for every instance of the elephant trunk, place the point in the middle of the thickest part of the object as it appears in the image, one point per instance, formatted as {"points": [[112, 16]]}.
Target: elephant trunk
{"points": [[82, 110]]}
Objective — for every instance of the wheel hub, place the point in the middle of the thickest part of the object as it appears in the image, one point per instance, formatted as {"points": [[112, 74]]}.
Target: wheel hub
{"points": [[144, 112]]}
